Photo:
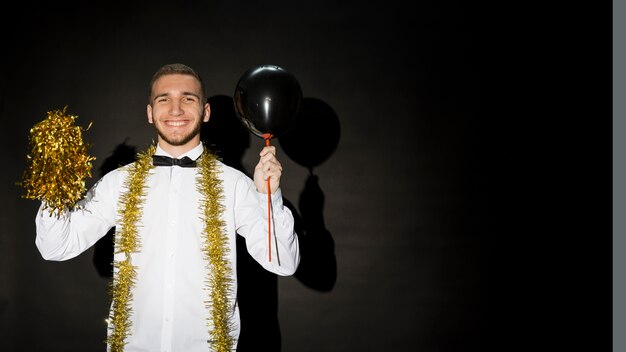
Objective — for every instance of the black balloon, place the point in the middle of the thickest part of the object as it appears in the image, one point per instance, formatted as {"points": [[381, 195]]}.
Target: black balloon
{"points": [[267, 99]]}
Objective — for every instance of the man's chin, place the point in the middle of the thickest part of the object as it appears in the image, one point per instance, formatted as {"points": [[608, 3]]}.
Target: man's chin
{"points": [[177, 142]]}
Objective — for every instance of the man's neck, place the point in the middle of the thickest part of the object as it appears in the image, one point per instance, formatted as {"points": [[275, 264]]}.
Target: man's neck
{"points": [[177, 150]]}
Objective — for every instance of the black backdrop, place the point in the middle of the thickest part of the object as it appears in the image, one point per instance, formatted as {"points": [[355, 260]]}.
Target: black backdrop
{"points": [[451, 170]]}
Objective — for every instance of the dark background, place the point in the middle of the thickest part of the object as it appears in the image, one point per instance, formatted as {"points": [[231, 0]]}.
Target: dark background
{"points": [[460, 193]]}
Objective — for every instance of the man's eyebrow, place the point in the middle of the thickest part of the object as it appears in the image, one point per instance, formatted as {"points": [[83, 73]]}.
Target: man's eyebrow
{"points": [[160, 95], [192, 94]]}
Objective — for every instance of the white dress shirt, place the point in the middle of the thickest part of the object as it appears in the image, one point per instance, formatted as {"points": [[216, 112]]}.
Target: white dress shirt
{"points": [[168, 307]]}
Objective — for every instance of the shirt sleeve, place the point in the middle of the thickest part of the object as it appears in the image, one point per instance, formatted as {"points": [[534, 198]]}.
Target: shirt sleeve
{"points": [[252, 223], [66, 235]]}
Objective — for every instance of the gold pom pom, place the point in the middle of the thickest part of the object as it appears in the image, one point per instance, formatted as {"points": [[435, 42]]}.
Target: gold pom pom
{"points": [[58, 163]]}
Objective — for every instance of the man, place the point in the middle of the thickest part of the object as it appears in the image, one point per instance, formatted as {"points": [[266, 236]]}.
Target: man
{"points": [[174, 283]]}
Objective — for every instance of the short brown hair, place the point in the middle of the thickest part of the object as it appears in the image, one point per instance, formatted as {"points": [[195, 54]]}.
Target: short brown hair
{"points": [[175, 69]]}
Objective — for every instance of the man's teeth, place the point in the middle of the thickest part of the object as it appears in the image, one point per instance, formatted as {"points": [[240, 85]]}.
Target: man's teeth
{"points": [[176, 123]]}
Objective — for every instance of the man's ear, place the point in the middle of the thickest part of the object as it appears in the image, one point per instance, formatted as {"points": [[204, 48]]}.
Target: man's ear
{"points": [[149, 112], [207, 112]]}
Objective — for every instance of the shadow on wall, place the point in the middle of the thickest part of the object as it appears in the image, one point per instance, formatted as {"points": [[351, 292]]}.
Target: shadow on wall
{"points": [[228, 138], [310, 142]]}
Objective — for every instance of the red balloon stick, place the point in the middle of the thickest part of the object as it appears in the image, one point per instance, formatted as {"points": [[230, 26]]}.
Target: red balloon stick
{"points": [[267, 137]]}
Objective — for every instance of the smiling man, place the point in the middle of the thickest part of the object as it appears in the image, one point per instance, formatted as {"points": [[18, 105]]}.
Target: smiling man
{"points": [[177, 211]]}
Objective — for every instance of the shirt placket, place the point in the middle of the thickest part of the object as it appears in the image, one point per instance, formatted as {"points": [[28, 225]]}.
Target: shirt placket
{"points": [[173, 224]]}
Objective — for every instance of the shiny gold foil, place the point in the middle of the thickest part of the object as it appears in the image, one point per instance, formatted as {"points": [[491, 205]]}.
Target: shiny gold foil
{"points": [[219, 274], [127, 242], [58, 163]]}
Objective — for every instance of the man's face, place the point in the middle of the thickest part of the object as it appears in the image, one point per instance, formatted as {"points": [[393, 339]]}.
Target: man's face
{"points": [[177, 110]]}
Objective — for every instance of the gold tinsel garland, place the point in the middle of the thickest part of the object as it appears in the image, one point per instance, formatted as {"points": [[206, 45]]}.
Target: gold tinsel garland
{"points": [[219, 277], [127, 241], [58, 163]]}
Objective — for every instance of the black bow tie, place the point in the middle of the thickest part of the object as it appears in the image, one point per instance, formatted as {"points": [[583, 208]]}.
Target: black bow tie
{"points": [[161, 160]]}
